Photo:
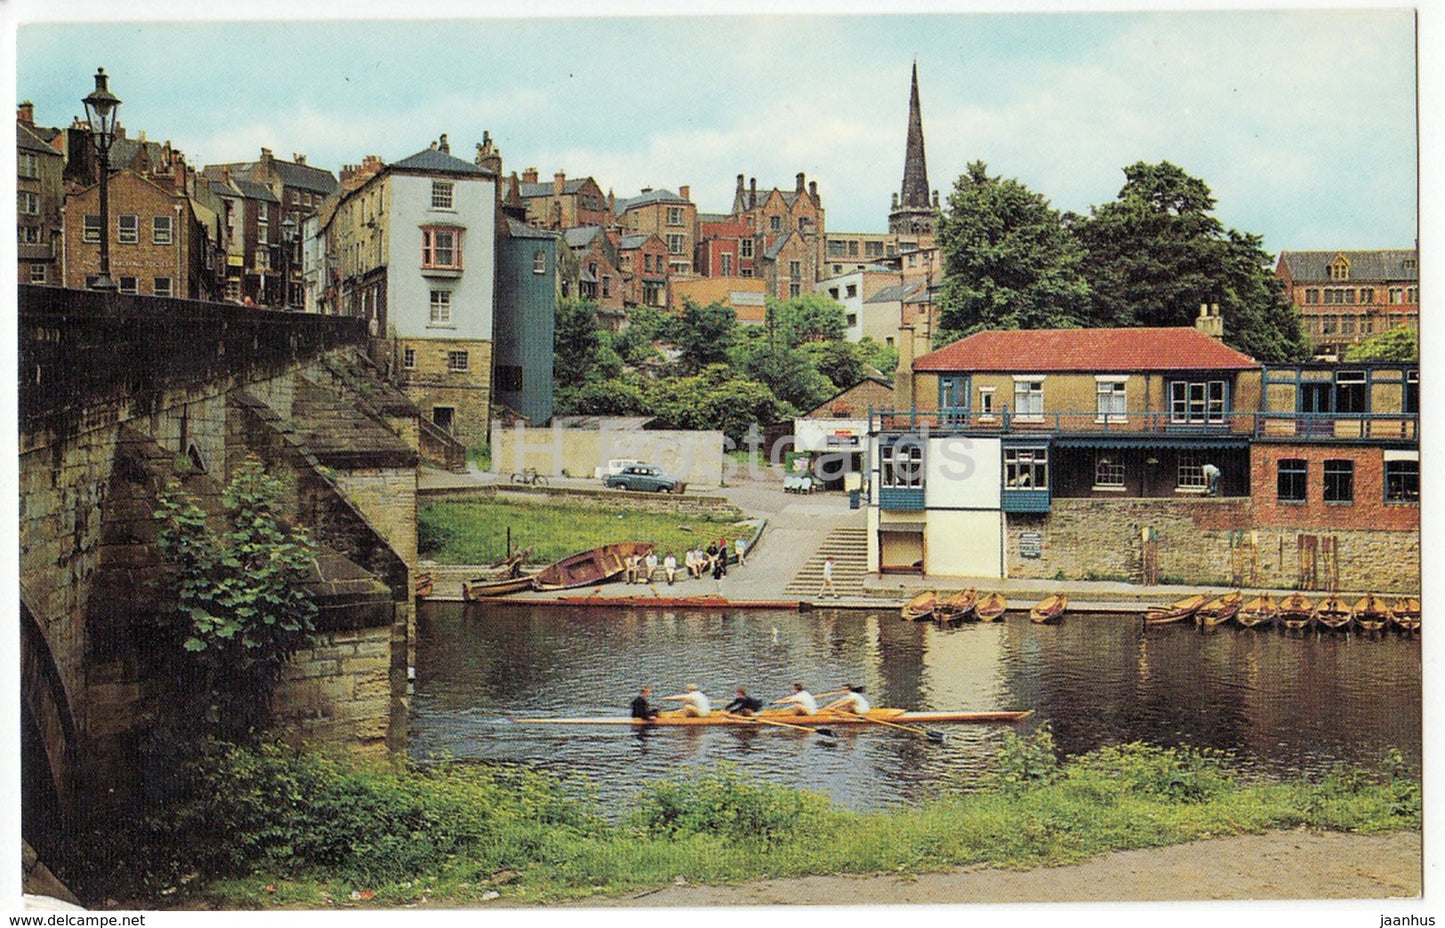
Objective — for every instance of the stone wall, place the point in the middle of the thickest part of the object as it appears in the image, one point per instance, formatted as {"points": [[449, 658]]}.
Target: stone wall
{"points": [[339, 691], [1102, 539], [695, 457], [692, 504]]}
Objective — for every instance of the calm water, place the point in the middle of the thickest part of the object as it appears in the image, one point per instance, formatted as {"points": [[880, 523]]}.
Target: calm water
{"points": [[1281, 703]]}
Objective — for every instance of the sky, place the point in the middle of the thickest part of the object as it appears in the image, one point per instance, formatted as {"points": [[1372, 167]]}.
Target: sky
{"points": [[1302, 122]]}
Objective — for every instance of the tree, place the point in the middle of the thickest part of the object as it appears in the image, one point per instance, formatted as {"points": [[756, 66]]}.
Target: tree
{"points": [[243, 603], [810, 317], [1008, 260], [1398, 344], [706, 334], [882, 357], [1156, 254], [580, 347], [841, 362], [789, 373]]}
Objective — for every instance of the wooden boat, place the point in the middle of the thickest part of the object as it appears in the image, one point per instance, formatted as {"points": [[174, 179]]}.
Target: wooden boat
{"points": [[1296, 611], [958, 607], [821, 718], [675, 602], [920, 607], [1406, 613], [482, 588], [586, 568], [425, 582], [1220, 610], [1261, 610], [1372, 613], [1174, 612], [1332, 613], [1049, 610], [991, 607]]}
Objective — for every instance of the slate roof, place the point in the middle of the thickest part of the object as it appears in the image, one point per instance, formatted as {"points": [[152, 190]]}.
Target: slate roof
{"points": [[549, 188], [254, 191], [581, 236], [894, 294], [434, 159], [30, 140], [306, 177], [630, 242], [1387, 264], [1129, 349], [772, 253], [649, 198], [518, 229]]}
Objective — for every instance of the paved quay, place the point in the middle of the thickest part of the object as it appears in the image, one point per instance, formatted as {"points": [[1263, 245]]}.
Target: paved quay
{"points": [[785, 564]]}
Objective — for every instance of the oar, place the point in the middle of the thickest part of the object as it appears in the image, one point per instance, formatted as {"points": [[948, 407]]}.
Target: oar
{"points": [[825, 732], [930, 733]]}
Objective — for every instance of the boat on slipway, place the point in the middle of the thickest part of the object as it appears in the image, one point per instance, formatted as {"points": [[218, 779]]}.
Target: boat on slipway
{"points": [[586, 568], [825, 717]]}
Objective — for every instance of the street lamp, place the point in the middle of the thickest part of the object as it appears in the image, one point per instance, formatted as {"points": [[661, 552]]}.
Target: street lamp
{"points": [[100, 109], [288, 239]]}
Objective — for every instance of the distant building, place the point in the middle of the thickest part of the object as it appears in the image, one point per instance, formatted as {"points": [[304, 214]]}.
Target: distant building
{"points": [[721, 243], [784, 235], [40, 195], [563, 202], [594, 269], [852, 290], [913, 212], [1345, 297], [746, 296], [644, 259], [525, 319], [670, 216]]}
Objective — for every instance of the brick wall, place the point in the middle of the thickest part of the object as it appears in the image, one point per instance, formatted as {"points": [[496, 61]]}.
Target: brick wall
{"points": [[1368, 510]]}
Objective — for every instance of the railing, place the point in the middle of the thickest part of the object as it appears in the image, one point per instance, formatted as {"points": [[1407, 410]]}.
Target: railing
{"points": [[1309, 426]]}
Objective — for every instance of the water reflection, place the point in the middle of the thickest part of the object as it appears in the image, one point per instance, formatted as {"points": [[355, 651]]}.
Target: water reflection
{"points": [[1282, 704]]}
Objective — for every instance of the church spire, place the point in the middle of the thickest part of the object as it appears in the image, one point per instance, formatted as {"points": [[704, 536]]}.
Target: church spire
{"points": [[912, 209]]}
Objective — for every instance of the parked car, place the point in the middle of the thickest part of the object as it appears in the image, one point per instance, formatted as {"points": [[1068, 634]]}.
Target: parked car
{"points": [[616, 466], [645, 477]]}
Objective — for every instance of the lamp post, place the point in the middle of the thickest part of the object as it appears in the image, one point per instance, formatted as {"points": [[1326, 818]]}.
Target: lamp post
{"points": [[100, 110], [288, 245]]}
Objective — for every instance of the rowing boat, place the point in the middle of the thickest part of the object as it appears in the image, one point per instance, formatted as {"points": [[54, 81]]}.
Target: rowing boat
{"points": [[1258, 611], [1174, 612], [1296, 611], [480, 589], [920, 607], [991, 607], [958, 607], [586, 568], [1332, 613], [1220, 610], [1371, 613], [1049, 610], [1407, 613], [822, 717], [708, 601]]}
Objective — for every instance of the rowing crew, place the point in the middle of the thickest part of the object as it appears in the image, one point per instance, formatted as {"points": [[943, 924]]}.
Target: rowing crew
{"points": [[696, 704]]}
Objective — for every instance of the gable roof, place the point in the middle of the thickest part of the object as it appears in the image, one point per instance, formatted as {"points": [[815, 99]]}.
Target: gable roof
{"points": [[894, 294], [649, 198], [549, 188], [434, 159], [777, 247], [254, 191], [1128, 349], [518, 229], [305, 177], [580, 236], [1384, 264], [637, 240], [27, 138]]}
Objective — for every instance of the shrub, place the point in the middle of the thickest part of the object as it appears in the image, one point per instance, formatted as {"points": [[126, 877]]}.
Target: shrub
{"points": [[1175, 774], [1025, 762], [722, 803]]}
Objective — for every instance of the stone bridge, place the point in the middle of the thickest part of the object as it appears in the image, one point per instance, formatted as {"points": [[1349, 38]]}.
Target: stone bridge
{"points": [[118, 394]]}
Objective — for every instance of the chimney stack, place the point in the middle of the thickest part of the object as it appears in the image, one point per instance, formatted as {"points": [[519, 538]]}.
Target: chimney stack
{"points": [[529, 176], [799, 187], [299, 157], [813, 190], [1210, 322], [442, 145], [752, 193], [26, 113], [683, 192], [903, 376], [559, 183]]}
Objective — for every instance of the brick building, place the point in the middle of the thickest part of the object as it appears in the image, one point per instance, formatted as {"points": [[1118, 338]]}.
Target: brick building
{"points": [[563, 202], [40, 195], [644, 259], [1345, 297], [594, 270], [721, 243], [670, 216], [782, 226]]}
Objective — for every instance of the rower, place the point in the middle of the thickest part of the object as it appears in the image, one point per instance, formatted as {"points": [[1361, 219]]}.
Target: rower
{"points": [[641, 708], [802, 701], [744, 704], [853, 701], [694, 703]]}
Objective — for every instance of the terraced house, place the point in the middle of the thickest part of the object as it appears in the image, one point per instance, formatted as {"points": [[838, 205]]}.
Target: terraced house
{"points": [[1143, 453]]}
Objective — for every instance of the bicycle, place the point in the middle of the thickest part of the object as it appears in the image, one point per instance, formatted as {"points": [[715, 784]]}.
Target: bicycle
{"points": [[530, 477]]}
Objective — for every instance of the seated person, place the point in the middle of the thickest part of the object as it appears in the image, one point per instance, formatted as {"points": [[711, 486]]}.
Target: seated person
{"points": [[641, 708], [802, 701], [694, 703], [744, 704], [852, 701]]}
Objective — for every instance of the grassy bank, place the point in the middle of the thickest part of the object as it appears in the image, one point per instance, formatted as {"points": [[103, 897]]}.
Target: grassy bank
{"points": [[270, 828], [475, 531]]}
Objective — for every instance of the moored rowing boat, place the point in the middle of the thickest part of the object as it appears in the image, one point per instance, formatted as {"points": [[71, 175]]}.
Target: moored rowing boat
{"points": [[1220, 610], [1175, 611], [824, 717], [1332, 613], [1049, 610], [1296, 611], [991, 607], [956, 608], [1258, 611], [481, 589], [586, 568], [920, 607], [1371, 613], [1406, 612]]}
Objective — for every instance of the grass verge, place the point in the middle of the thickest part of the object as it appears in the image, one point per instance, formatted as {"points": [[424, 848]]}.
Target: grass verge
{"points": [[475, 531], [270, 828]]}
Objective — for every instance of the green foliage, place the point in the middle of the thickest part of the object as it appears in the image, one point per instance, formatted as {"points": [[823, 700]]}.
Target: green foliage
{"points": [[810, 317], [839, 361], [581, 349], [1398, 344], [723, 803], [1008, 260], [706, 334], [1173, 774], [242, 603], [645, 326], [1025, 762], [882, 357], [789, 373]]}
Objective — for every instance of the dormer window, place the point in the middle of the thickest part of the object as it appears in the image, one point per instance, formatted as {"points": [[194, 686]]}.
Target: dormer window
{"points": [[1340, 268]]}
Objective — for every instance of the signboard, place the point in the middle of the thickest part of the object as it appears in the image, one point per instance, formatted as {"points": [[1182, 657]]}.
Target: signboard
{"points": [[1031, 544]]}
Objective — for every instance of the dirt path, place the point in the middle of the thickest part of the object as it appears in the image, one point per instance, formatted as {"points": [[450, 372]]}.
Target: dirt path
{"points": [[1279, 865]]}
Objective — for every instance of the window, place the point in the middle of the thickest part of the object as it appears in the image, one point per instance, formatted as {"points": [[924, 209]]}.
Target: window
{"points": [[646, 263], [1112, 399], [985, 401], [27, 235], [91, 232], [233, 289], [408, 359], [606, 285], [441, 307], [1312, 295], [128, 285], [674, 244], [1292, 482], [128, 229], [1339, 481], [161, 286], [458, 361], [1402, 481], [443, 417], [263, 217], [1367, 295], [1410, 402], [261, 259], [1191, 473], [852, 291], [1339, 269], [852, 321], [1026, 468], [902, 464], [795, 269], [873, 249], [745, 248], [775, 223], [539, 262], [837, 249], [1029, 399], [37, 273], [28, 203], [1347, 325], [674, 215], [441, 194], [161, 230], [509, 378], [1350, 392], [1196, 402], [727, 265], [441, 249], [795, 290], [1329, 325], [1108, 472], [27, 164]]}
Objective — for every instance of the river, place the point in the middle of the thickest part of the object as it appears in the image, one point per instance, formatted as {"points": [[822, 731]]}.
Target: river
{"points": [[1281, 704]]}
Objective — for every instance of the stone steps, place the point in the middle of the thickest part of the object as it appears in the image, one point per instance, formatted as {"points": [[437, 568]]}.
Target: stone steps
{"points": [[849, 549]]}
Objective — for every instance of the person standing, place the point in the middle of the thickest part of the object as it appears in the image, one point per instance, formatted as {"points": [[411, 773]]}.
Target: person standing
{"points": [[641, 708], [828, 586], [720, 564], [1211, 476], [742, 549]]}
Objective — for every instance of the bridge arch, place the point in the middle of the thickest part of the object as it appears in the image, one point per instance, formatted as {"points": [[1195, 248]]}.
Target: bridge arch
{"points": [[47, 722]]}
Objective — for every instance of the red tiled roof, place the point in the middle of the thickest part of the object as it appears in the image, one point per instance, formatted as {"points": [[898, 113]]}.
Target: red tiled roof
{"points": [[1133, 349]]}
